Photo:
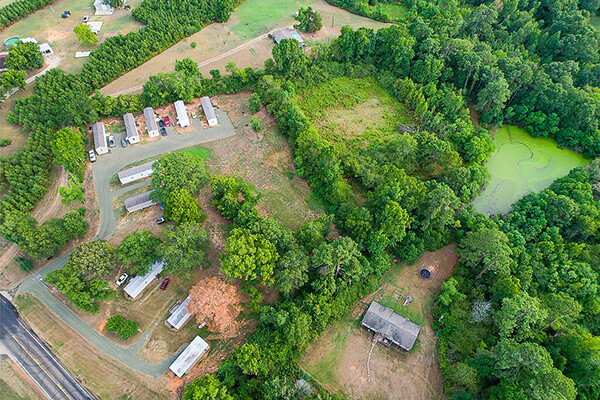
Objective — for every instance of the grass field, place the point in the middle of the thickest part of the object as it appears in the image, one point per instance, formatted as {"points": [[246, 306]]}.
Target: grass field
{"points": [[338, 359], [12, 383], [353, 111], [522, 164], [253, 20]]}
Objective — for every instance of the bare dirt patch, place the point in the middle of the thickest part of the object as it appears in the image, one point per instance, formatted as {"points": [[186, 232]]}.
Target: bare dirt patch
{"points": [[338, 359]]}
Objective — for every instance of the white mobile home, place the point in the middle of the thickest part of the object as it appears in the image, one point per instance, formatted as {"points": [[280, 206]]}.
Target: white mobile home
{"points": [[138, 284], [190, 356], [136, 173], [139, 202], [151, 126], [180, 315], [209, 111], [131, 129], [182, 116], [100, 143]]}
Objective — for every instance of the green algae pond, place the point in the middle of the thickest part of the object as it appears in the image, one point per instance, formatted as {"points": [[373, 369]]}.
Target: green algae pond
{"points": [[522, 164]]}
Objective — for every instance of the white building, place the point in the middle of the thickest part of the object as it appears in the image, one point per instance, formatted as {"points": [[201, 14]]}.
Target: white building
{"points": [[180, 315], [190, 356], [46, 49], [151, 126], [182, 116], [100, 142], [136, 173], [138, 284], [209, 111], [95, 26], [102, 8], [139, 202], [131, 129]]}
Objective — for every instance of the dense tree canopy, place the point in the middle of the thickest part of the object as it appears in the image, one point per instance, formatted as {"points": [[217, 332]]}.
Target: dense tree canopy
{"points": [[24, 56], [178, 171], [138, 251]]}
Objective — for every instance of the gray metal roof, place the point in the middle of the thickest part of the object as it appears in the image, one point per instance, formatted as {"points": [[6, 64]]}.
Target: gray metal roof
{"points": [[182, 116], [136, 285], [394, 327], [130, 126], [180, 315], [139, 202], [99, 135], [208, 108], [189, 357], [135, 170], [150, 119], [281, 34]]}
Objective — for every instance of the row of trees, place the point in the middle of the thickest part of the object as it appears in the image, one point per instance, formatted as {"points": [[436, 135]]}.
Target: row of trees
{"points": [[18, 9]]}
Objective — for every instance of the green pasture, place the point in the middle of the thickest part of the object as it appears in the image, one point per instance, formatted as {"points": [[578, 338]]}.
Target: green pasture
{"points": [[260, 16], [522, 164]]}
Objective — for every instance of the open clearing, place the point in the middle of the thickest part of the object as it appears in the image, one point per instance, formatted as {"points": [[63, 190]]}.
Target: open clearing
{"points": [[338, 359], [103, 375], [522, 164], [248, 21]]}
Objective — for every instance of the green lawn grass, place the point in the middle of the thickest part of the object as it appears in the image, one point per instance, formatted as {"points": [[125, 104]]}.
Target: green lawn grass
{"points": [[198, 152], [260, 16]]}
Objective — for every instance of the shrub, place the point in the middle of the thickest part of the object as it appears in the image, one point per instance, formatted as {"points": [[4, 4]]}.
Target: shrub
{"points": [[124, 328], [256, 124], [5, 142], [193, 45], [254, 103]]}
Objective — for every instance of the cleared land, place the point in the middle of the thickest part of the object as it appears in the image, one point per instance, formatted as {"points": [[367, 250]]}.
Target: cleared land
{"points": [[338, 359], [248, 21], [14, 383], [522, 164]]}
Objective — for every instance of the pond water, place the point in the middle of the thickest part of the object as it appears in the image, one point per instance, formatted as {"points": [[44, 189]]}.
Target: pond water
{"points": [[520, 165]]}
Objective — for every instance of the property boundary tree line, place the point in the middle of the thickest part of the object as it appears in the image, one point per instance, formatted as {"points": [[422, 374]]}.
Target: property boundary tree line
{"points": [[13, 12]]}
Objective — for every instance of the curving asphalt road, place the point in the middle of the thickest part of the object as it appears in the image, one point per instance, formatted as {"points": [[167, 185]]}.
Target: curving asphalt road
{"points": [[31, 354], [103, 170]]}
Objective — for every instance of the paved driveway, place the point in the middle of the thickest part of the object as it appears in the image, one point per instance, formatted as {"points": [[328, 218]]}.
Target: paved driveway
{"points": [[103, 170]]}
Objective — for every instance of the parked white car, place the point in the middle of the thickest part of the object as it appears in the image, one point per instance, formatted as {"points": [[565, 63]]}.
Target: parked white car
{"points": [[122, 278], [92, 155]]}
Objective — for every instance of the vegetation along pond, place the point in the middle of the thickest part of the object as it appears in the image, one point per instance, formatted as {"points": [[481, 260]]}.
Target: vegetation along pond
{"points": [[522, 164]]}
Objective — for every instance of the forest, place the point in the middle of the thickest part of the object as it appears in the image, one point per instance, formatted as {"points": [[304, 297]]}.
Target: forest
{"points": [[519, 319]]}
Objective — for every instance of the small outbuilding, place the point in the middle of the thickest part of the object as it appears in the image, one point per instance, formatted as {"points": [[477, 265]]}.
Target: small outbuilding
{"points": [[284, 33], [131, 129], [139, 283], [182, 116], [103, 8], [151, 125], [46, 49], [3, 55], [393, 328], [190, 356], [139, 202], [136, 173], [95, 26], [209, 111], [100, 142], [180, 315]]}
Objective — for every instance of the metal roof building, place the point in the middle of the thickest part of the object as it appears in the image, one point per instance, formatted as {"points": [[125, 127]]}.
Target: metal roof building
{"points": [[100, 143], [136, 173], [151, 126], [139, 202], [131, 129], [281, 34], [189, 357], [102, 8], [209, 111], [138, 284], [394, 328], [180, 315], [182, 116]]}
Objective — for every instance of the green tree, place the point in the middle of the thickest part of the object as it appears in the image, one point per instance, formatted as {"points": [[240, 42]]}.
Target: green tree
{"points": [[183, 247], [249, 257], [139, 250], [309, 20], [188, 67], [71, 193], [292, 270], [520, 316], [179, 170], [206, 388], [69, 151], [248, 359], [12, 79], [485, 249], [182, 207], [254, 103], [85, 35], [95, 259], [24, 56], [256, 124]]}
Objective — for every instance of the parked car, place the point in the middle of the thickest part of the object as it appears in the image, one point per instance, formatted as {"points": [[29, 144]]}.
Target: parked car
{"points": [[161, 123], [167, 121], [124, 143], [122, 278], [67, 12], [86, 18], [92, 155], [164, 284], [194, 115], [64, 15], [163, 131], [160, 220], [111, 141]]}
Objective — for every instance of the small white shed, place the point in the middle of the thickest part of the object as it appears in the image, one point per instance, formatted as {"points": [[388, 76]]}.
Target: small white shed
{"points": [[182, 116], [102, 8]]}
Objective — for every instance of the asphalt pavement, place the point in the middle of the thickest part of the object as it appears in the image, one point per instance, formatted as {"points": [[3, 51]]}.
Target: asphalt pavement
{"points": [[23, 346]]}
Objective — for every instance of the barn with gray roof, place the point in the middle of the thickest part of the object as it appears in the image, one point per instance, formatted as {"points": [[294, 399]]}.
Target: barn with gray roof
{"points": [[394, 328]]}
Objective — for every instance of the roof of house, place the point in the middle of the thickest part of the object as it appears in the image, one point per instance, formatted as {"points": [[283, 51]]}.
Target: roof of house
{"points": [[101, 5], [130, 126], [296, 35], [396, 328], [182, 116], [46, 48], [180, 315], [139, 201], [135, 170], [99, 134], [281, 34], [208, 108], [136, 285], [3, 55], [189, 357], [150, 119]]}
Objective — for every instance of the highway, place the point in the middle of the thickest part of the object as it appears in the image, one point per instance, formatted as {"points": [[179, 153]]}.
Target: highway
{"points": [[24, 347]]}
